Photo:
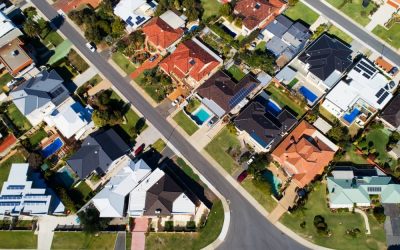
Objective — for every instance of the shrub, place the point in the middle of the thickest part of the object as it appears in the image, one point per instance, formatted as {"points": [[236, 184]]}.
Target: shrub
{"points": [[191, 225], [378, 213], [169, 226], [320, 224]]}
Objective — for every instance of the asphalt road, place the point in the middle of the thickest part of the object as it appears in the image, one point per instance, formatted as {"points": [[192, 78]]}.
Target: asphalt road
{"points": [[360, 33], [248, 228], [120, 242]]}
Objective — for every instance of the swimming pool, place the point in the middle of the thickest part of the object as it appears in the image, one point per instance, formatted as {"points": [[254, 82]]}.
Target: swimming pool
{"points": [[201, 116], [52, 147], [352, 116], [273, 107], [65, 177], [275, 182], [310, 96]]}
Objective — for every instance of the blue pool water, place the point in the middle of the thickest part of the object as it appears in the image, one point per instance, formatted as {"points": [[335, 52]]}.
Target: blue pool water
{"points": [[201, 116], [273, 108], [52, 148], [310, 96], [65, 177], [352, 116], [276, 183]]}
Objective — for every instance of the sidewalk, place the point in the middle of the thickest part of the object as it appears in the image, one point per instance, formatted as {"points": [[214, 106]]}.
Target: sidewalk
{"points": [[88, 74]]}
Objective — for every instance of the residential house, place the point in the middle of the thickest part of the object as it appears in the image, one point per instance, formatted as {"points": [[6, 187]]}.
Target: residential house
{"points": [[285, 39], [390, 115], [257, 13], [68, 5], [191, 63], [99, 152], [39, 96], [25, 193], [111, 200], [13, 57], [264, 123], [386, 66], [304, 153], [165, 31], [392, 225], [71, 119], [325, 61], [317, 69], [366, 91], [135, 13], [350, 186], [221, 94]]}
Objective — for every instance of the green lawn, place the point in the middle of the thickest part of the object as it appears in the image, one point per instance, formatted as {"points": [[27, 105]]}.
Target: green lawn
{"points": [[155, 90], [261, 192], [84, 189], [206, 235], [79, 240], [123, 62], [284, 99], [236, 73], [354, 10], [187, 169], [333, 30], [211, 8], [380, 138], [185, 123], [292, 83], [391, 36], [128, 241], [18, 240], [17, 118], [159, 145], [302, 12], [352, 156], [60, 52], [6, 166], [54, 38], [218, 148], [337, 222], [37, 137], [261, 46], [4, 79], [326, 114]]}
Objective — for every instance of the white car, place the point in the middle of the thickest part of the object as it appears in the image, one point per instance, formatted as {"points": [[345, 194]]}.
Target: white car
{"points": [[250, 161], [91, 47]]}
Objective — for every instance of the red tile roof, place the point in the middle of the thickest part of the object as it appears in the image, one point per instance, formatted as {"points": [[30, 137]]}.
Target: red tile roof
{"points": [[68, 5], [189, 59], [160, 34], [7, 142], [253, 15], [303, 155]]}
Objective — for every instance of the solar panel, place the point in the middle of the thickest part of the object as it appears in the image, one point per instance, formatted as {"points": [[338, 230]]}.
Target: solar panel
{"points": [[34, 203], [382, 98], [151, 4], [380, 92], [9, 204], [139, 20], [238, 97], [366, 70], [15, 187], [129, 21], [373, 69], [10, 197], [357, 69], [366, 75]]}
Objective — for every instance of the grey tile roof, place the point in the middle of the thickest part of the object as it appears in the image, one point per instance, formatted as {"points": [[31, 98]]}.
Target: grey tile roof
{"points": [[279, 26], [277, 46], [391, 113], [97, 152], [325, 56], [38, 91]]}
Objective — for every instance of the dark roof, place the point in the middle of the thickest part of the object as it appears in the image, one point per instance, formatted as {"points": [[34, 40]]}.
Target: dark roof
{"points": [[161, 196], [97, 152], [266, 128], [325, 56], [391, 113], [225, 92], [279, 26]]}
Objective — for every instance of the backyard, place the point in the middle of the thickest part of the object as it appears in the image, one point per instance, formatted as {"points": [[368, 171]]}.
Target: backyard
{"points": [[282, 97], [338, 223], [4, 79], [79, 240], [37, 137], [302, 12], [218, 149], [18, 240], [352, 156], [5, 166], [236, 73], [185, 123], [205, 236], [391, 36], [211, 8], [18, 119], [123, 62], [354, 9]]}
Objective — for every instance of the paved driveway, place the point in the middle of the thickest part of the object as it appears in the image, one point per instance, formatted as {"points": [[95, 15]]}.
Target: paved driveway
{"points": [[146, 65], [381, 16], [120, 242]]}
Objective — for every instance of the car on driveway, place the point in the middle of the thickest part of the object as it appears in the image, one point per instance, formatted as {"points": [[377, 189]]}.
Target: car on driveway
{"points": [[153, 58], [242, 176], [91, 46], [139, 149]]}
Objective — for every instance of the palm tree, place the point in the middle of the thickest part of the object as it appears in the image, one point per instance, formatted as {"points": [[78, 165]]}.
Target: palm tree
{"points": [[31, 28]]}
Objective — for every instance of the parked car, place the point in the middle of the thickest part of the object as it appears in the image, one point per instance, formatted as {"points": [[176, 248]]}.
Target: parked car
{"points": [[139, 149], [91, 46], [153, 58], [250, 160], [242, 176], [394, 71], [174, 103]]}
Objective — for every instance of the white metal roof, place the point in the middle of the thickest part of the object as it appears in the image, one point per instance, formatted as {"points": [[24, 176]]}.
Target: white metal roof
{"points": [[172, 19]]}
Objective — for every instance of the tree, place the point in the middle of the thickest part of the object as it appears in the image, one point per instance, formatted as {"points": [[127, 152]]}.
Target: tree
{"points": [[91, 221], [320, 224], [31, 28], [30, 12], [339, 133], [117, 28], [177, 4], [292, 2], [103, 118], [259, 164], [35, 160], [259, 59], [225, 10]]}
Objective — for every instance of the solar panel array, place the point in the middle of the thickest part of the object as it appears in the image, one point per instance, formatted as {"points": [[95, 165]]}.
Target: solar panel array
{"points": [[15, 187], [139, 20], [374, 189], [9, 204], [239, 96], [129, 21], [34, 203], [383, 97], [10, 197], [368, 70]]}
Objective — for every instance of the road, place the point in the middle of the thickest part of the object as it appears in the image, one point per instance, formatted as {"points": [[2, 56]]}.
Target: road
{"points": [[248, 228], [360, 33]]}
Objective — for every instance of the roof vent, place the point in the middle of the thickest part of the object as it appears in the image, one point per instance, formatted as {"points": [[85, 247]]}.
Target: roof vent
{"points": [[96, 152], [15, 53], [257, 6]]}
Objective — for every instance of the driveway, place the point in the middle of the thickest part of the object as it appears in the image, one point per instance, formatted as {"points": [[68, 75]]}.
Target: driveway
{"points": [[46, 226], [145, 66], [381, 16], [120, 242]]}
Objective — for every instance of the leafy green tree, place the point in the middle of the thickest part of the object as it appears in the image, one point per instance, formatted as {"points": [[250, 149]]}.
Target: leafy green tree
{"points": [[30, 12], [177, 4], [31, 28], [91, 221], [118, 28], [259, 59], [225, 10]]}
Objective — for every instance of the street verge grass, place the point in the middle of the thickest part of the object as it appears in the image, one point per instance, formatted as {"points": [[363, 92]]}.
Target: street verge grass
{"points": [[260, 191], [123, 62], [185, 123], [18, 240], [301, 12], [80, 240]]}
